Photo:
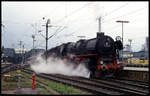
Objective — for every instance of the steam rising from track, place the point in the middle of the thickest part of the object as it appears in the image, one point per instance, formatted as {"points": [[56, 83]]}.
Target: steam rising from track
{"points": [[59, 66]]}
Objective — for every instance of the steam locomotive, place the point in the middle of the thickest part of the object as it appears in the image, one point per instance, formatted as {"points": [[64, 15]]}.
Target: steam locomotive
{"points": [[100, 55]]}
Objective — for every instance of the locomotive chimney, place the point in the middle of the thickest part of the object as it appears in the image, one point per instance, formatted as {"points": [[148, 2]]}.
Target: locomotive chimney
{"points": [[100, 34]]}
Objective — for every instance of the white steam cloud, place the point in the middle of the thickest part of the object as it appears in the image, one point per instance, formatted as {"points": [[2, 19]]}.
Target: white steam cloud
{"points": [[59, 66]]}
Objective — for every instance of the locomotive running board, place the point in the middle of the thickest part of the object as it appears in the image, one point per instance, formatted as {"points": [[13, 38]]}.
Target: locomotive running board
{"points": [[86, 55]]}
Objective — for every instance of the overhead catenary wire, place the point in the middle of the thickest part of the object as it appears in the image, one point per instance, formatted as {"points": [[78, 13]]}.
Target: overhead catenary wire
{"points": [[56, 32], [4, 32], [126, 14], [68, 35], [133, 20], [67, 19], [116, 9], [65, 35], [114, 27], [109, 13], [52, 11], [105, 14], [77, 10], [71, 34], [68, 15], [113, 11], [74, 12], [40, 44], [70, 19]]}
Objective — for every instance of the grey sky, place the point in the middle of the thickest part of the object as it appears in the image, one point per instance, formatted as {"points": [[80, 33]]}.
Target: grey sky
{"points": [[22, 19]]}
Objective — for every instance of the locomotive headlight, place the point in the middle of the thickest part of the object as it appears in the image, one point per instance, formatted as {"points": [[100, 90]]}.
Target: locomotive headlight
{"points": [[101, 62], [118, 38], [118, 62]]}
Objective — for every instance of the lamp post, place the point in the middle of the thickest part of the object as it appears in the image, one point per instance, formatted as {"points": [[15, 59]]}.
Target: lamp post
{"points": [[130, 40], [119, 21]]}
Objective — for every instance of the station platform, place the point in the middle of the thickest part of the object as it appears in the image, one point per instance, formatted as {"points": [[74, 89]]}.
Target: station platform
{"points": [[136, 68], [23, 91]]}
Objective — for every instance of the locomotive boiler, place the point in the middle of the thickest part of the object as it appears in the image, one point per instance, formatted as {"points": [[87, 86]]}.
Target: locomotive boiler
{"points": [[100, 55]]}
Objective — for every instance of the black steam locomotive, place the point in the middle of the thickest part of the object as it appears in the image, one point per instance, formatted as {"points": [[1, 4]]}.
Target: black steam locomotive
{"points": [[100, 54]]}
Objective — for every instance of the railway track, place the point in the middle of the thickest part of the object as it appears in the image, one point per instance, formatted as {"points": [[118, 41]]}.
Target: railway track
{"points": [[5, 66], [101, 87], [133, 82], [11, 67], [8, 69], [126, 87], [85, 87]]}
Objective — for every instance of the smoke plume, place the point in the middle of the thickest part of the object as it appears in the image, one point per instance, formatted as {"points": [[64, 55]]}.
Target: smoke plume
{"points": [[59, 66]]}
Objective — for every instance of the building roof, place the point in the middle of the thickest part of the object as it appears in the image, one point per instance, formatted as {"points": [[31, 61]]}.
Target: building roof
{"points": [[18, 50], [8, 52]]}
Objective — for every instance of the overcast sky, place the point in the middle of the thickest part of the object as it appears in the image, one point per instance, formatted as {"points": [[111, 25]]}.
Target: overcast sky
{"points": [[20, 20]]}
